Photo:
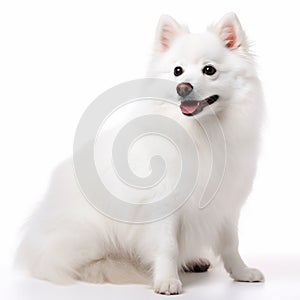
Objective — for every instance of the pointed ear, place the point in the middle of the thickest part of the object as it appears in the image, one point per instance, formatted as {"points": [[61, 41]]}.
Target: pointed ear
{"points": [[230, 31], [167, 30]]}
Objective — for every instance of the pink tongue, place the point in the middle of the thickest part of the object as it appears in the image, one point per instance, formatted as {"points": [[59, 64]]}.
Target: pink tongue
{"points": [[189, 109]]}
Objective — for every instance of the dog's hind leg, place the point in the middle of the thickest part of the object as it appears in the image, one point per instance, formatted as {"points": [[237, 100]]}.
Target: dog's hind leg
{"points": [[197, 266]]}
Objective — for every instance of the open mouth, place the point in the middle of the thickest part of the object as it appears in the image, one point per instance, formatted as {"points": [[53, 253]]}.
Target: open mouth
{"points": [[193, 107]]}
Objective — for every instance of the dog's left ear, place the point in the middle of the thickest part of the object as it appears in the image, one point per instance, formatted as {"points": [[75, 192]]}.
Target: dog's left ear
{"points": [[167, 31], [230, 31]]}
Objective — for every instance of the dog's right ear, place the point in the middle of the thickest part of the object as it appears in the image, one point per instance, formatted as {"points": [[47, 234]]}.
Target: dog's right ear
{"points": [[230, 31], [167, 30]]}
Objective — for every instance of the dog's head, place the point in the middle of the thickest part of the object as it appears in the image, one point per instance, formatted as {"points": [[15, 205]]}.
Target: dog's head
{"points": [[210, 68]]}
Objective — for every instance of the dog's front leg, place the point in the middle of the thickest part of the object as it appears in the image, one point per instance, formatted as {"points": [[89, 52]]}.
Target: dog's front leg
{"points": [[165, 268], [233, 262]]}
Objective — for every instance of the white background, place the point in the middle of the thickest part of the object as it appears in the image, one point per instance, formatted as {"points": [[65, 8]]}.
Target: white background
{"points": [[58, 56]]}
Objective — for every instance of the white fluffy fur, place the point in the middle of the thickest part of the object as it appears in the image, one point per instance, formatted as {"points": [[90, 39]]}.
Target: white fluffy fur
{"points": [[68, 240]]}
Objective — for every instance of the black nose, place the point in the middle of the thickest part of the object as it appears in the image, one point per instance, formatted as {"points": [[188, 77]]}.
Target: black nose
{"points": [[184, 89]]}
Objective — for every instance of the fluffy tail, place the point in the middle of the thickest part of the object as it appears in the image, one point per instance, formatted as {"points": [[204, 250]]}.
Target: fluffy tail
{"points": [[119, 271], [113, 271]]}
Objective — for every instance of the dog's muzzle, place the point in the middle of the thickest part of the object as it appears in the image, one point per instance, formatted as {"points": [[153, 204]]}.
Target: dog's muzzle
{"points": [[193, 107]]}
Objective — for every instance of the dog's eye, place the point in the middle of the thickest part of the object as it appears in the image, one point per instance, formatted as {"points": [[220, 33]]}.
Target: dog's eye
{"points": [[209, 70], [178, 71]]}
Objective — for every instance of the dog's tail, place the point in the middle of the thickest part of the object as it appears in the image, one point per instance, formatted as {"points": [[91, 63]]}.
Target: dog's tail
{"points": [[56, 269], [114, 271], [118, 271]]}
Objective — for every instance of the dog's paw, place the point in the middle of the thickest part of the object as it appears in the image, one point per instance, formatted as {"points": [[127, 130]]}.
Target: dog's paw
{"points": [[248, 275], [197, 266], [170, 286]]}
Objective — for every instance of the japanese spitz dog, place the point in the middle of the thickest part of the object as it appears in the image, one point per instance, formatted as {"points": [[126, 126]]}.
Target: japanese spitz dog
{"points": [[67, 239]]}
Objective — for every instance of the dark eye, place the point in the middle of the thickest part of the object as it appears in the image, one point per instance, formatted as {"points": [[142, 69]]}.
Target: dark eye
{"points": [[209, 70], [178, 71]]}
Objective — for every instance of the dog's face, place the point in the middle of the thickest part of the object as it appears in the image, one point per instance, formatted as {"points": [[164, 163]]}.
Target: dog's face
{"points": [[209, 68]]}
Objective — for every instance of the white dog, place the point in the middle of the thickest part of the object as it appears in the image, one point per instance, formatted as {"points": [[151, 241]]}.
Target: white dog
{"points": [[68, 240]]}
